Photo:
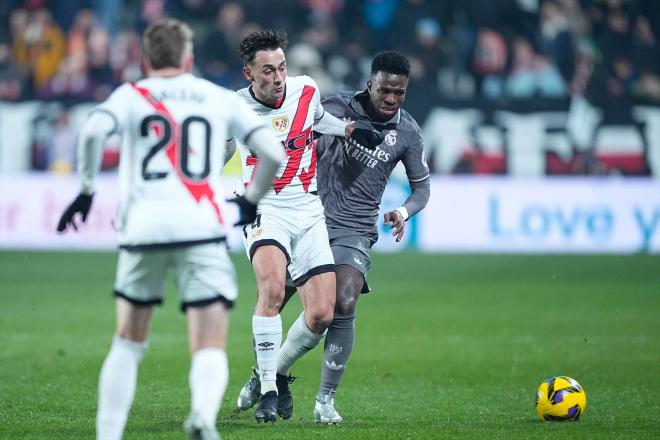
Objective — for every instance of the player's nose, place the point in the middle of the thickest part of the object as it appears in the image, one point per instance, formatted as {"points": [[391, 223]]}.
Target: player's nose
{"points": [[390, 98]]}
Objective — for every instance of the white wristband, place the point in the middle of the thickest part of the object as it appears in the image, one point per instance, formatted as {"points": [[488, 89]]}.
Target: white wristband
{"points": [[403, 211]]}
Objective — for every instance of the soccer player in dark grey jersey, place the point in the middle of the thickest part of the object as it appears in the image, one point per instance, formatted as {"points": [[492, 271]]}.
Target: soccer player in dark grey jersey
{"points": [[351, 181]]}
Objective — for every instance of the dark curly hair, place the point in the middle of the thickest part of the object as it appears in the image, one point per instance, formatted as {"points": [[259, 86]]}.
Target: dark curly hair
{"points": [[261, 40], [390, 61]]}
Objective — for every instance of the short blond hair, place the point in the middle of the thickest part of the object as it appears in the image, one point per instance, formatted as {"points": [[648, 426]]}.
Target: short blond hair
{"points": [[165, 43]]}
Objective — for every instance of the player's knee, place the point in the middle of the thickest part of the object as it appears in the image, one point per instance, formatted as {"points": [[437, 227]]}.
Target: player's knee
{"points": [[319, 324], [271, 292], [345, 305], [271, 286], [320, 318], [347, 296]]}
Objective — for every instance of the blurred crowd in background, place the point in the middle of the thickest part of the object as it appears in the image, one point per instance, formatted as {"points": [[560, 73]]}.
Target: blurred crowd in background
{"points": [[81, 49], [72, 51]]}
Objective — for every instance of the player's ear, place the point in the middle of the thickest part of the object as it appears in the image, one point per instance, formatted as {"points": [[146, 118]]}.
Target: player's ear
{"points": [[188, 62], [247, 74], [145, 66], [369, 83]]}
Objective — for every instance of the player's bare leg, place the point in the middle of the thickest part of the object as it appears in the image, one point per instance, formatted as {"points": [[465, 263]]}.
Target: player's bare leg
{"points": [[118, 376], [289, 291], [269, 264], [318, 298], [338, 342], [209, 372]]}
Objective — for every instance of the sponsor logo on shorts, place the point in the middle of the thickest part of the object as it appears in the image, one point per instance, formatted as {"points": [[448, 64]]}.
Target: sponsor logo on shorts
{"points": [[357, 261], [255, 233]]}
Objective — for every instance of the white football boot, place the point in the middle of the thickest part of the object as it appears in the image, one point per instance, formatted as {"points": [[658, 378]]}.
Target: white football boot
{"points": [[249, 395], [198, 429], [325, 412]]}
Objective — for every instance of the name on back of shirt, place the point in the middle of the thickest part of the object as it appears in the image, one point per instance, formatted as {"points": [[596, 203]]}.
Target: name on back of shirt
{"points": [[179, 95]]}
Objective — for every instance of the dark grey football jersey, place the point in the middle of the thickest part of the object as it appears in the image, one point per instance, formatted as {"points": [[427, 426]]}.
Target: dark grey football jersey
{"points": [[351, 178]]}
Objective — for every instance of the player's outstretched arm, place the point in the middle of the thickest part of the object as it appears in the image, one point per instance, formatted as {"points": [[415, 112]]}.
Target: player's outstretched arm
{"points": [[90, 148], [270, 153], [366, 137], [331, 125]]}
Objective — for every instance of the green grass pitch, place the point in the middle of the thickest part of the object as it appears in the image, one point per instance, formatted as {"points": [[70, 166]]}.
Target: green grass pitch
{"points": [[448, 346]]}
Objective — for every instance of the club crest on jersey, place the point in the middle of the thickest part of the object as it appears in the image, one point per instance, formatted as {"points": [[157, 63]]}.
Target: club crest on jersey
{"points": [[390, 138], [281, 123]]}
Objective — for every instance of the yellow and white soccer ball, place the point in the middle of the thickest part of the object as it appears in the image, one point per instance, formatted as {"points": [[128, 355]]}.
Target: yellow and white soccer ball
{"points": [[560, 398]]}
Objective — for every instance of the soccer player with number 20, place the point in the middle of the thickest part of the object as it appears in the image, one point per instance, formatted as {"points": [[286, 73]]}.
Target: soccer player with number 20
{"points": [[174, 128]]}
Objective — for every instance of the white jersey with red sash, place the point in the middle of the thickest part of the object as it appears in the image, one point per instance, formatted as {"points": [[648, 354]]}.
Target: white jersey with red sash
{"points": [[291, 121], [174, 132]]}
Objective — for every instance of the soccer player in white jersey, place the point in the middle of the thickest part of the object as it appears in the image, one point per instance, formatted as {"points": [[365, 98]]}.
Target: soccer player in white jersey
{"points": [[289, 230], [174, 128]]}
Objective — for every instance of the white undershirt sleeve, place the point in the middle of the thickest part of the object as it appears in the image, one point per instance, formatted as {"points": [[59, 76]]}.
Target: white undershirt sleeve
{"points": [[91, 139], [271, 154], [329, 124]]}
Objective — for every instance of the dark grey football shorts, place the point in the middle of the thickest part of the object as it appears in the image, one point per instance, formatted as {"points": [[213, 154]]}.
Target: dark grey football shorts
{"points": [[353, 251], [351, 248]]}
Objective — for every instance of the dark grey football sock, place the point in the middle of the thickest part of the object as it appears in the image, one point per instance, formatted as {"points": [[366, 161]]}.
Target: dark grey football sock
{"points": [[337, 349]]}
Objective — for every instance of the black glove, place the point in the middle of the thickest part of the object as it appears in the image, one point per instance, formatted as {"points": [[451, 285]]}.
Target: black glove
{"points": [[81, 205], [367, 137], [247, 210]]}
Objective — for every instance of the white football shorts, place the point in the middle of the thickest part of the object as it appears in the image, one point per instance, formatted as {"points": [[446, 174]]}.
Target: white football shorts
{"points": [[302, 237], [203, 274]]}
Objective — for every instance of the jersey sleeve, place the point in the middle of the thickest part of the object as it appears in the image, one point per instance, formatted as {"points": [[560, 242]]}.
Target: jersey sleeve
{"points": [[244, 121], [320, 111], [117, 106], [334, 105], [414, 162]]}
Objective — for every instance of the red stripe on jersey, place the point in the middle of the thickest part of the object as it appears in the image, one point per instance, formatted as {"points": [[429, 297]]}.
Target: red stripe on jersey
{"points": [[301, 113], [296, 142], [198, 190], [307, 176]]}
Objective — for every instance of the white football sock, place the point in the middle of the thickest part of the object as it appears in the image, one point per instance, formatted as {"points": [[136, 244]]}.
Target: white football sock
{"points": [[299, 341], [267, 333], [117, 385], [209, 374]]}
